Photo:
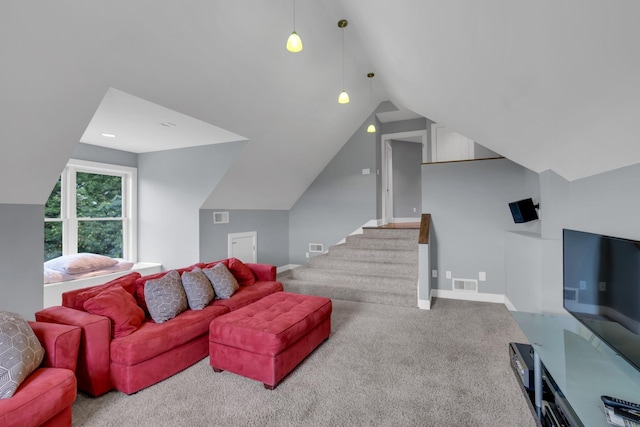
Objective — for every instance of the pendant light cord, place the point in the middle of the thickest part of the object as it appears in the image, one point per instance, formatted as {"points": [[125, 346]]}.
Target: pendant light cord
{"points": [[294, 16], [343, 58]]}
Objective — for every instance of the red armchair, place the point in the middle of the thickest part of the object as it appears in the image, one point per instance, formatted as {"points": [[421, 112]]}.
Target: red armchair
{"points": [[45, 397]]}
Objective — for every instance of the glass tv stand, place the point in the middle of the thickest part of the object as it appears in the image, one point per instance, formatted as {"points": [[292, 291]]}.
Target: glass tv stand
{"points": [[581, 365]]}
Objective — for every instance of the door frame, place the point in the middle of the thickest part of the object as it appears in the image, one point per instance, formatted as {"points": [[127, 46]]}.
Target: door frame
{"points": [[232, 236], [387, 168]]}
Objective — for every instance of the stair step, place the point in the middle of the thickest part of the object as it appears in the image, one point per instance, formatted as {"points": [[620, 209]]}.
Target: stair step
{"points": [[333, 291], [407, 233], [323, 275], [372, 242], [407, 270], [375, 255]]}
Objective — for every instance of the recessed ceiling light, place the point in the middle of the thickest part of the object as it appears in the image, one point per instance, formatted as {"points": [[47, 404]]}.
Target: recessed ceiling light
{"points": [[108, 135]]}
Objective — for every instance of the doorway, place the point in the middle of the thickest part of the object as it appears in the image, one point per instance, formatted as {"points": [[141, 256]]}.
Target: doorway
{"points": [[419, 136], [243, 246]]}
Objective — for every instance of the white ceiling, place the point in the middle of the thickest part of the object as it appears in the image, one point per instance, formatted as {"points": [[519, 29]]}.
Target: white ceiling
{"points": [[550, 85], [126, 122]]}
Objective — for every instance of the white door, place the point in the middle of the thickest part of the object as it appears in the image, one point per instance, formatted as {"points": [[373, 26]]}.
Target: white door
{"points": [[449, 145], [244, 246]]}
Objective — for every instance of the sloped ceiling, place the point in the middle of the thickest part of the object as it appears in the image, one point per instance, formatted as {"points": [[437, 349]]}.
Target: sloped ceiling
{"points": [[551, 85]]}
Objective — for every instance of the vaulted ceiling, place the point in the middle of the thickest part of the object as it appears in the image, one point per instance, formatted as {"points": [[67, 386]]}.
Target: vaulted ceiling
{"points": [[548, 84]]}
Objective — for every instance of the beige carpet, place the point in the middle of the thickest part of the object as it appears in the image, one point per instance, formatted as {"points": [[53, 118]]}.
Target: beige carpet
{"points": [[382, 366]]}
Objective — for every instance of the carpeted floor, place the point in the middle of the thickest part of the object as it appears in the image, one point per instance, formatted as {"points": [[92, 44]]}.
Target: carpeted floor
{"points": [[382, 366]]}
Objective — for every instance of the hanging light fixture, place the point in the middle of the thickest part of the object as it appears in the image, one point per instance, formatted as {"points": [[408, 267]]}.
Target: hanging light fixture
{"points": [[343, 98], [372, 127], [294, 43]]}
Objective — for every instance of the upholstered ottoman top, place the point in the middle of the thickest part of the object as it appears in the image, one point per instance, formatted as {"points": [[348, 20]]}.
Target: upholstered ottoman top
{"points": [[272, 324]]}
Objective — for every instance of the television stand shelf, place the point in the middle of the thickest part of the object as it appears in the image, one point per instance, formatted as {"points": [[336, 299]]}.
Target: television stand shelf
{"points": [[580, 364]]}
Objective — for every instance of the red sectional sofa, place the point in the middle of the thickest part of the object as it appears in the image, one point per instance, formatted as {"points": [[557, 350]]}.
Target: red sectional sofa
{"points": [[154, 351], [45, 397]]}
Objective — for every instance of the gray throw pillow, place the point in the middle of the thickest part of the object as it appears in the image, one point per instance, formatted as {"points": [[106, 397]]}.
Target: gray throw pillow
{"points": [[165, 297], [198, 289], [224, 284], [20, 352]]}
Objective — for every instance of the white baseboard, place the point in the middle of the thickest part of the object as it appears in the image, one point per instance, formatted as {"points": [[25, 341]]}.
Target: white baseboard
{"points": [[468, 296], [401, 220], [509, 305], [286, 267], [424, 304]]}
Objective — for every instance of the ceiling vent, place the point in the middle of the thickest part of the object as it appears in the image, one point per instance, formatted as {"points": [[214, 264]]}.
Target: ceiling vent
{"points": [[221, 217]]}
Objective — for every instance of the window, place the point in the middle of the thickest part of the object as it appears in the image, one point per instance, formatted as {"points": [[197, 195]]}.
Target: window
{"points": [[92, 208]]}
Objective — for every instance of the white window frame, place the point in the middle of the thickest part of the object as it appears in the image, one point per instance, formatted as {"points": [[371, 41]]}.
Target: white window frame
{"points": [[68, 216]]}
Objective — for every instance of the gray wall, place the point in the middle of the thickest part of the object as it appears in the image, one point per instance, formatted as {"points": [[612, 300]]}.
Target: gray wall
{"points": [[21, 257], [339, 200], [172, 186], [95, 153], [407, 192], [272, 227], [468, 203]]}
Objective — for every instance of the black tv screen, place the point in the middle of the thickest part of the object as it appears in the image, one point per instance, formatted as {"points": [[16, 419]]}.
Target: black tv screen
{"points": [[523, 211], [601, 280]]}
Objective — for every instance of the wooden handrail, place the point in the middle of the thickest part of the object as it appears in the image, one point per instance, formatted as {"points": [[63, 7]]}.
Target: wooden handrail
{"points": [[425, 222]]}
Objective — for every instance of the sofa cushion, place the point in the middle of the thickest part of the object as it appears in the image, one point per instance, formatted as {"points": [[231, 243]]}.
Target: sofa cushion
{"points": [[153, 339], [80, 263], [20, 352], [198, 289], [249, 294], [204, 265], [241, 272], [224, 284], [119, 306], [165, 297], [45, 393], [126, 282]]}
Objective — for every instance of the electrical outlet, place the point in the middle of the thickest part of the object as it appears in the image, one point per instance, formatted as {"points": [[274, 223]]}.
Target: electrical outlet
{"points": [[583, 285], [307, 255], [448, 275], [482, 276], [434, 273], [415, 209], [366, 171]]}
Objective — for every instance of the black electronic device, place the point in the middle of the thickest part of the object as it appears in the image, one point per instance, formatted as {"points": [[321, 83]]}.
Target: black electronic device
{"points": [[621, 408], [523, 211], [521, 359], [601, 288]]}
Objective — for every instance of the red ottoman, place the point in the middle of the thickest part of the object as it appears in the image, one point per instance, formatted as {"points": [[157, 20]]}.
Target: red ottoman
{"points": [[267, 339]]}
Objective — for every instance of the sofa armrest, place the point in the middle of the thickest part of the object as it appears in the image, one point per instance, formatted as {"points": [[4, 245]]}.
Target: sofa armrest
{"points": [[60, 342], [94, 356], [266, 272]]}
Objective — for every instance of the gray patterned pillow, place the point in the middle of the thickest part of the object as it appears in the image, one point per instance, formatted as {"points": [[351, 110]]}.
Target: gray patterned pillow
{"points": [[20, 352], [165, 297], [224, 284], [198, 289]]}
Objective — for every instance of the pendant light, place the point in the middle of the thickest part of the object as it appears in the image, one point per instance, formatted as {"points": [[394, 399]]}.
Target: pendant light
{"points": [[294, 43], [343, 98], [372, 127]]}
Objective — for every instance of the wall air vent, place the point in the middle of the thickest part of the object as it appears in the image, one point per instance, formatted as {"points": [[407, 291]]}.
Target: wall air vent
{"points": [[221, 217], [465, 285], [316, 247]]}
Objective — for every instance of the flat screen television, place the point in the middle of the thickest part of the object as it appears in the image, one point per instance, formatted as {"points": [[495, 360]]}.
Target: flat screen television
{"points": [[523, 211], [601, 288]]}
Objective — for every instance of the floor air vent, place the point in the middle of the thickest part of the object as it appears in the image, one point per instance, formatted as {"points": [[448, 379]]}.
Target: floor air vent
{"points": [[465, 285], [316, 247]]}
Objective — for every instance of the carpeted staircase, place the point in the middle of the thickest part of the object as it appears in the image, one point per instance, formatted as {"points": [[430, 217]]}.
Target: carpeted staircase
{"points": [[379, 266]]}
